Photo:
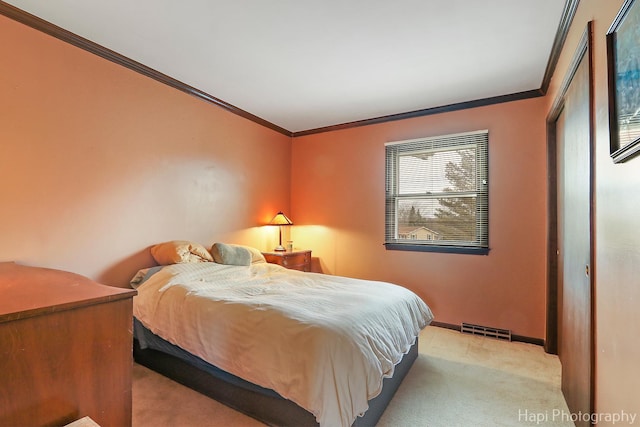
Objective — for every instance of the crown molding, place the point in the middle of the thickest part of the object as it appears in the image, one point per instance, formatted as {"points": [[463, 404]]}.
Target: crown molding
{"points": [[46, 27]]}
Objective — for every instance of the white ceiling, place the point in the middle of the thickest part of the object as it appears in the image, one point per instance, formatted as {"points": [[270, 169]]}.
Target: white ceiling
{"points": [[303, 64]]}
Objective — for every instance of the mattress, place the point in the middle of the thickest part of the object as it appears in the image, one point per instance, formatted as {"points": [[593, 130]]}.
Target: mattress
{"points": [[348, 334]]}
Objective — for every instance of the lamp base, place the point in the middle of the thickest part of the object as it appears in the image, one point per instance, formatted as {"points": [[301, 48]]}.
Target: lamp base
{"points": [[279, 248]]}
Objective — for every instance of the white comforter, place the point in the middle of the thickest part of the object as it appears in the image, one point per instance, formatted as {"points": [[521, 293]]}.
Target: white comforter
{"points": [[324, 342]]}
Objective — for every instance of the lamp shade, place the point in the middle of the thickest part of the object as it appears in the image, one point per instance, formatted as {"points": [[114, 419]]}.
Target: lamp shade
{"points": [[280, 219]]}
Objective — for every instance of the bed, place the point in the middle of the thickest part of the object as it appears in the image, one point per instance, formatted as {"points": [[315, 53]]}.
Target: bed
{"points": [[283, 346]]}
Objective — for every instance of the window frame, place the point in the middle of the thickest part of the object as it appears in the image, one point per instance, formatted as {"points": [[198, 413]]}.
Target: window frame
{"points": [[479, 140]]}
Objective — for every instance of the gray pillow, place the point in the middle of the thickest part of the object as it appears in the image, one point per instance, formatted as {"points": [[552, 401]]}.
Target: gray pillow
{"points": [[230, 254]]}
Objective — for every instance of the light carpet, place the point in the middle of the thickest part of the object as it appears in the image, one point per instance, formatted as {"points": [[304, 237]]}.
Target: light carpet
{"points": [[457, 380]]}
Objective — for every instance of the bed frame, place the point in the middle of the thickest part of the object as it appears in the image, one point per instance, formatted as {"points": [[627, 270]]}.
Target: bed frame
{"points": [[262, 404]]}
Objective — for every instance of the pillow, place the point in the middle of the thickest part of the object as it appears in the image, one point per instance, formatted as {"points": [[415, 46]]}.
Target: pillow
{"points": [[142, 276], [180, 251], [256, 255], [231, 254]]}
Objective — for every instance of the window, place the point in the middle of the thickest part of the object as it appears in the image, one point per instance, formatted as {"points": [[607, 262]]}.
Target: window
{"points": [[437, 195]]}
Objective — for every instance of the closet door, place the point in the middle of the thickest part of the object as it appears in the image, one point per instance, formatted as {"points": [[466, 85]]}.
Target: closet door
{"points": [[574, 195]]}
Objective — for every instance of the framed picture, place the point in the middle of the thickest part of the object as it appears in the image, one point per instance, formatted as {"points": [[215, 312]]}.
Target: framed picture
{"points": [[623, 57]]}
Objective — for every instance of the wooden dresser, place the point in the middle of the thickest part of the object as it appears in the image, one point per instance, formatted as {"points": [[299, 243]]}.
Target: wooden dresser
{"points": [[295, 260], [65, 349]]}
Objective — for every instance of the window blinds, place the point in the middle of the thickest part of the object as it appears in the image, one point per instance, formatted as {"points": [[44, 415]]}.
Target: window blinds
{"points": [[437, 191]]}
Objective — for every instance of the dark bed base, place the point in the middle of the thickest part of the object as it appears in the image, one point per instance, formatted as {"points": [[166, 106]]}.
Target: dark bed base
{"points": [[270, 409]]}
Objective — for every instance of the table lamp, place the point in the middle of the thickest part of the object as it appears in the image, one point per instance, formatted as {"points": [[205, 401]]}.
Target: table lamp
{"points": [[280, 219]]}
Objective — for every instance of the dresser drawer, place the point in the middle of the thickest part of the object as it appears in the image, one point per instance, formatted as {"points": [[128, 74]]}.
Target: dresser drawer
{"points": [[296, 260]]}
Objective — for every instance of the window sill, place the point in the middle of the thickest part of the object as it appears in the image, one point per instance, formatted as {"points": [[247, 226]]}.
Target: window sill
{"points": [[441, 249]]}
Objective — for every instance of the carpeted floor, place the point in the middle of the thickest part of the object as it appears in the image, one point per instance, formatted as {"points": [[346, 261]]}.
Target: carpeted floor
{"points": [[457, 380]]}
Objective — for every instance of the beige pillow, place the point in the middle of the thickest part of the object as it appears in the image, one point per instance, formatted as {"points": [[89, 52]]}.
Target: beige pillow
{"points": [[227, 254], [180, 251]]}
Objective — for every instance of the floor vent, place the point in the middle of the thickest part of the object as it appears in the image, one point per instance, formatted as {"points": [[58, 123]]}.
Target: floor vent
{"points": [[501, 334]]}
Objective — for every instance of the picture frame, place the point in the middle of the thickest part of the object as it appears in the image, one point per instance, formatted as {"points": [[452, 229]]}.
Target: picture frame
{"points": [[623, 62]]}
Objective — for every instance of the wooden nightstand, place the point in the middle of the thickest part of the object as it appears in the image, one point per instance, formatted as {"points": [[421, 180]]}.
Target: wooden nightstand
{"points": [[296, 260]]}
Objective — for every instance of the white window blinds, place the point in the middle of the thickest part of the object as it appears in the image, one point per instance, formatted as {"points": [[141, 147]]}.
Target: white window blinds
{"points": [[437, 193]]}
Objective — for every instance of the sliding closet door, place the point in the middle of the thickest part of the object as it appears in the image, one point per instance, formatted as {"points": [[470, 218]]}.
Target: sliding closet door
{"points": [[573, 139]]}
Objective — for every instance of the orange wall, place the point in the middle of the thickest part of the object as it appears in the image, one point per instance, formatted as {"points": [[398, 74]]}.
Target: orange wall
{"points": [[97, 163], [338, 206], [617, 239]]}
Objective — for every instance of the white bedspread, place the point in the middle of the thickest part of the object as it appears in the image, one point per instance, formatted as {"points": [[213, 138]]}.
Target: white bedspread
{"points": [[324, 342]]}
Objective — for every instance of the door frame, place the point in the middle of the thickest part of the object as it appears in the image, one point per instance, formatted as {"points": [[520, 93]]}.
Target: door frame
{"points": [[584, 50]]}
